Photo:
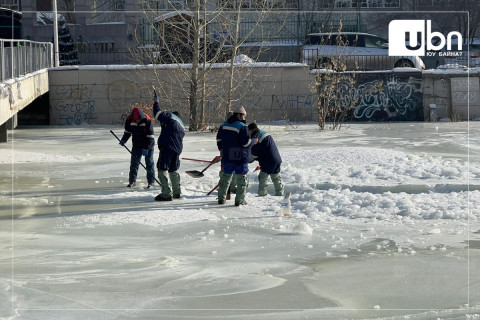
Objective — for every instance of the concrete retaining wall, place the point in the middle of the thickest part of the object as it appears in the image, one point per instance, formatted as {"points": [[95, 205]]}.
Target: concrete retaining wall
{"points": [[455, 93], [100, 94]]}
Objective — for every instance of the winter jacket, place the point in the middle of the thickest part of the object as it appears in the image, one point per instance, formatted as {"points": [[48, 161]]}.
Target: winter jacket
{"points": [[141, 130], [234, 141], [173, 130], [266, 152]]}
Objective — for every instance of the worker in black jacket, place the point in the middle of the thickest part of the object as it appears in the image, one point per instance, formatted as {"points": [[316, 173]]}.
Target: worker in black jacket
{"points": [[265, 151], [139, 126], [170, 145]]}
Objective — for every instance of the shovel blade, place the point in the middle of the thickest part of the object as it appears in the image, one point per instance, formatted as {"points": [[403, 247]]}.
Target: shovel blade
{"points": [[195, 174]]}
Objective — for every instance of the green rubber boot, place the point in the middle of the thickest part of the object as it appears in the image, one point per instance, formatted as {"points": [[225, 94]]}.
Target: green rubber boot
{"points": [[241, 189], [277, 183], [163, 176], [223, 188], [233, 184], [175, 180], [262, 184]]}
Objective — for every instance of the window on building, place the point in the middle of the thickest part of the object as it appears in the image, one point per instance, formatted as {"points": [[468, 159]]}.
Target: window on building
{"points": [[392, 3], [11, 4], [42, 5], [441, 3], [259, 4], [120, 5], [343, 4]]}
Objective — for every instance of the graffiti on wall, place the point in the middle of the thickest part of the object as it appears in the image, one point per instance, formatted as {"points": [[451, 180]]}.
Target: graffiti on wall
{"points": [[76, 105], [122, 94], [400, 98], [292, 101]]}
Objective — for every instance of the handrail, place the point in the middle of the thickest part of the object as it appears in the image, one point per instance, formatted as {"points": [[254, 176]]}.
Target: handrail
{"points": [[19, 57]]}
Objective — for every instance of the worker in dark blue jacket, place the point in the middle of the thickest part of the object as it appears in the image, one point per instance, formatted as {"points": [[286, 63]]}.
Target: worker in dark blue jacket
{"points": [[140, 127], [234, 142], [170, 144], [265, 151]]}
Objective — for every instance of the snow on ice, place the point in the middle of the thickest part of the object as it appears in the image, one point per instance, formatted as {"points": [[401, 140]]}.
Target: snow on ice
{"points": [[384, 224]]}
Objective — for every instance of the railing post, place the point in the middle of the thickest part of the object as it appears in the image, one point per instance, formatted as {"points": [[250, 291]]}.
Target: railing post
{"points": [[12, 60], [2, 48]]}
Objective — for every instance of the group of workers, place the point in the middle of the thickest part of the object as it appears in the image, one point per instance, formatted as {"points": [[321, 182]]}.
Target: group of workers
{"points": [[237, 143]]}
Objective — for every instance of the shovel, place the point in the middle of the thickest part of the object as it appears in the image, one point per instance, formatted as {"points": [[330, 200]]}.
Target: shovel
{"points": [[197, 160], [199, 174]]}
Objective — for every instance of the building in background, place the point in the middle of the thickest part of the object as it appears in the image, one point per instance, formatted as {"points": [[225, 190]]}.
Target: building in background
{"points": [[127, 31], [100, 31]]}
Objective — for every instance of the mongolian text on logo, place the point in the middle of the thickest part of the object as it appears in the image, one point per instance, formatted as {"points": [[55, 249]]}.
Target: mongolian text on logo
{"points": [[415, 37]]}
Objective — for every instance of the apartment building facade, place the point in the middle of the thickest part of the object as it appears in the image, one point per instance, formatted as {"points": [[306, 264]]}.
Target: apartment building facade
{"points": [[108, 31]]}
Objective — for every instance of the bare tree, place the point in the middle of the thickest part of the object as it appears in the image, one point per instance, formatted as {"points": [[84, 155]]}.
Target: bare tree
{"points": [[67, 8], [334, 89], [194, 40], [104, 11]]}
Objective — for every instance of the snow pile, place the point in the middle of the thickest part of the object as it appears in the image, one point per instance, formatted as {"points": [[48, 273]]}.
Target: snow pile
{"points": [[374, 167], [388, 206], [242, 58], [302, 229]]}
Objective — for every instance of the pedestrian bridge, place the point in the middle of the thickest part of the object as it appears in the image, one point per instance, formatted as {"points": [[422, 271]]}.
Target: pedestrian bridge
{"points": [[24, 77]]}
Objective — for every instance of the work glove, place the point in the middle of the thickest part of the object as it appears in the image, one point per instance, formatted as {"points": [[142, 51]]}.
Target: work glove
{"points": [[122, 143], [144, 152]]}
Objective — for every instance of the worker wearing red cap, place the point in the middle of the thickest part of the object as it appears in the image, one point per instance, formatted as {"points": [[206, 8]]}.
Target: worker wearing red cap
{"points": [[139, 126]]}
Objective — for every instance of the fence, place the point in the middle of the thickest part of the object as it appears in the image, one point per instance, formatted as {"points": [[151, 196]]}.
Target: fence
{"points": [[267, 52], [19, 57], [328, 58]]}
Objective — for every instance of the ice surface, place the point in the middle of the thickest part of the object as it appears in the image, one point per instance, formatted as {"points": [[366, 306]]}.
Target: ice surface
{"points": [[384, 224]]}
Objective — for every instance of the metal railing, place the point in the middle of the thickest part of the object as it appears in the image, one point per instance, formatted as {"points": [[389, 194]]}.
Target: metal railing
{"points": [[324, 59], [20, 57]]}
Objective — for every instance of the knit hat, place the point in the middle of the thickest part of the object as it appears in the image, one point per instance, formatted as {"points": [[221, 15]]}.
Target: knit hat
{"points": [[239, 110], [254, 128], [136, 114]]}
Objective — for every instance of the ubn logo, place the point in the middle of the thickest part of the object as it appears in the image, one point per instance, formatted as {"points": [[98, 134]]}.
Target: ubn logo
{"points": [[408, 37]]}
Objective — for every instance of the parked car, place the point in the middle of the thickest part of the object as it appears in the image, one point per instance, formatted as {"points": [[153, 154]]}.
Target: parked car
{"points": [[352, 51], [468, 57], [465, 58]]}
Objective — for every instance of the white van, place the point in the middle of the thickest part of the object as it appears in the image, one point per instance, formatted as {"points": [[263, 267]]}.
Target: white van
{"points": [[352, 51]]}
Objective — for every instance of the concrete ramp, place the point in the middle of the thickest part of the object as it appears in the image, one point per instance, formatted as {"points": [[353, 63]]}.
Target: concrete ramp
{"points": [[17, 93]]}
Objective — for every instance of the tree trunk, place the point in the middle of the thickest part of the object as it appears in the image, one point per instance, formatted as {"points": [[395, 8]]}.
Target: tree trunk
{"points": [[228, 105], [194, 78]]}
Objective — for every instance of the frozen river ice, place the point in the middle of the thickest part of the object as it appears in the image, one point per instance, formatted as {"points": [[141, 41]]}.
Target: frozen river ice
{"points": [[385, 224]]}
